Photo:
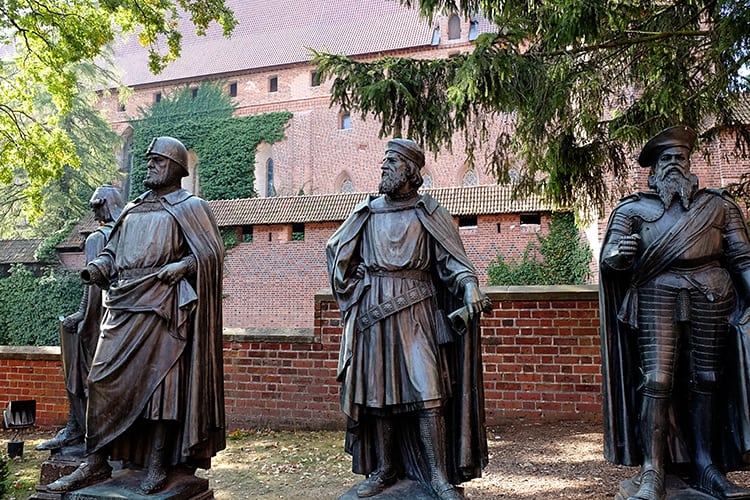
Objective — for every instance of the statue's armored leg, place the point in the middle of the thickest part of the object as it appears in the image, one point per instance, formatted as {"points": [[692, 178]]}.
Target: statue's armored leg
{"points": [[385, 475], [653, 432], [69, 435], [432, 432], [156, 472], [95, 469]]}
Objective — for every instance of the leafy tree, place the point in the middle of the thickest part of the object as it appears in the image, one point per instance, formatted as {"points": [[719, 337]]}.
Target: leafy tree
{"points": [[35, 212], [45, 41], [560, 258], [580, 82]]}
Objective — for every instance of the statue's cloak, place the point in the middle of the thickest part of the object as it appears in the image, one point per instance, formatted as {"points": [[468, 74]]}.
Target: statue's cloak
{"points": [[125, 377], [620, 359]]}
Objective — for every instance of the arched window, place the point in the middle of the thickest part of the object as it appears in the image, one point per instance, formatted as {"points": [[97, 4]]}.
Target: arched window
{"points": [[427, 181], [470, 178], [270, 191], [454, 27], [347, 186]]}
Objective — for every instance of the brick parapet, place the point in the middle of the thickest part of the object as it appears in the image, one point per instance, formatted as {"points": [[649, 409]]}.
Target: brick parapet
{"points": [[540, 353]]}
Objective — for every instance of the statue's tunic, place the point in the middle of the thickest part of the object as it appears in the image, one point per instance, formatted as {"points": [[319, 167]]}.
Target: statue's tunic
{"points": [[159, 354], [397, 360]]}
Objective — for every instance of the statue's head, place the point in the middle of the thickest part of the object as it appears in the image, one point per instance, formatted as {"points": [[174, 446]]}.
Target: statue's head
{"points": [[408, 153], [171, 148], [668, 154], [106, 203], [167, 163]]}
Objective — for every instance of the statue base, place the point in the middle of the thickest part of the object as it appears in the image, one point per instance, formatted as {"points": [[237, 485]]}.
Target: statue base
{"points": [[405, 488], [677, 489], [125, 484]]}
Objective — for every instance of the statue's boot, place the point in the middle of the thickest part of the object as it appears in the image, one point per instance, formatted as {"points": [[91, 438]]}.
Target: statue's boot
{"points": [[385, 476], [67, 436], [714, 483], [432, 432], [94, 470], [156, 472], [653, 434], [707, 477]]}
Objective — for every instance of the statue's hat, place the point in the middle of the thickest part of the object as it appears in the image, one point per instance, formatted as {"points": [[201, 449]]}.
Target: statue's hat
{"points": [[678, 135], [408, 149]]}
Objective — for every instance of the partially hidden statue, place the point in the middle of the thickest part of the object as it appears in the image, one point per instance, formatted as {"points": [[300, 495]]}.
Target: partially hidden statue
{"points": [[675, 277], [411, 379], [80, 331], [156, 396]]}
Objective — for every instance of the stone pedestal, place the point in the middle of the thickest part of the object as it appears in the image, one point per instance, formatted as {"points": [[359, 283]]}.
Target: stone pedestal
{"points": [[677, 489], [125, 484], [405, 488]]}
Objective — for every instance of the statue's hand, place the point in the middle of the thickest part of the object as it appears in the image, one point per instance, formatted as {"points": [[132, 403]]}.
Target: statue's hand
{"points": [[628, 245], [71, 322], [359, 273], [172, 273], [474, 300]]}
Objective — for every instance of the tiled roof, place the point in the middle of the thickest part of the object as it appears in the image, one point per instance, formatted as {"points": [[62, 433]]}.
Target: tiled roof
{"points": [[276, 32], [476, 200], [18, 251]]}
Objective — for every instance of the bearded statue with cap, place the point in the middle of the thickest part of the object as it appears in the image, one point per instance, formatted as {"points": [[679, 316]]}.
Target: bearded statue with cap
{"points": [[411, 382], [674, 291]]}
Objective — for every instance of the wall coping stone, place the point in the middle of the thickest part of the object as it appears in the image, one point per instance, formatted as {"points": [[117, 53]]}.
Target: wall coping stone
{"points": [[265, 334], [32, 353], [542, 292]]}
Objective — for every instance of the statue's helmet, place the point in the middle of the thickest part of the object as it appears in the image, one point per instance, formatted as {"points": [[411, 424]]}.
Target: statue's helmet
{"points": [[109, 197], [169, 147]]}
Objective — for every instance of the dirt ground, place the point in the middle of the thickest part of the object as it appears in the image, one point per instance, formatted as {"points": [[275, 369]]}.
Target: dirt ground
{"points": [[528, 461]]}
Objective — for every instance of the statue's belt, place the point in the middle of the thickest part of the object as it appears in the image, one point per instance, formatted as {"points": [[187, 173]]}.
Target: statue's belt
{"points": [[423, 290], [136, 273]]}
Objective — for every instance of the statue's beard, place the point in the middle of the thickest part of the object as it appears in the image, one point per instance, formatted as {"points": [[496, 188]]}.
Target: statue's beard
{"points": [[392, 182], [674, 185]]}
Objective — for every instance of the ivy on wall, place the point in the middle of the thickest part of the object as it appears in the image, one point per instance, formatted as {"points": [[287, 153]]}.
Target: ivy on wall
{"points": [[30, 306], [225, 145]]}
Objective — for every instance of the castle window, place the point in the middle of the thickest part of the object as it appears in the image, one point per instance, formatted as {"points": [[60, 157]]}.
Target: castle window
{"points": [[194, 92], [233, 89], [467, 222], [347, 186], [157, 97], [531, 219], [273, 84], [270, 191], [345, 121], [298, 232], [470, 178], [314, 79], [454, 28]]}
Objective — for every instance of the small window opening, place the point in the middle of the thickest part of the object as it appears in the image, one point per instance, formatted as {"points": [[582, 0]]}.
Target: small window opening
{"points": [[194, 92], [273, 84], [499, 230], [298, 232], [157, 97], [531, 219], [247, 234], [467, 221], [345, 122], [233, 89], [314, 79], [121, 107]]}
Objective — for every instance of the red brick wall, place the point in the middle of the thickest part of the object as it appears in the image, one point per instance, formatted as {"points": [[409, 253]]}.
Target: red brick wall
{"points": [[541, 361]]}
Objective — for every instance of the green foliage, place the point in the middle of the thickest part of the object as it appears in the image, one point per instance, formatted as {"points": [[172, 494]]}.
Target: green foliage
{"points": [[560, 258], [30, 306], [229, 236], [46, 252], [51, 38], [568, 87], [225, 145]]}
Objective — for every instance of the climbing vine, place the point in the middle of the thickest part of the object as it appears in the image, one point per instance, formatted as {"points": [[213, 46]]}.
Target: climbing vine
{"points": [[225, 145]]}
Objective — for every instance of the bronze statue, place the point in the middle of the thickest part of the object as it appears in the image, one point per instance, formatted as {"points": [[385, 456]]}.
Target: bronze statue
{"points": [[675, 277], [411, 384], [156, 393], [80, 330]]}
